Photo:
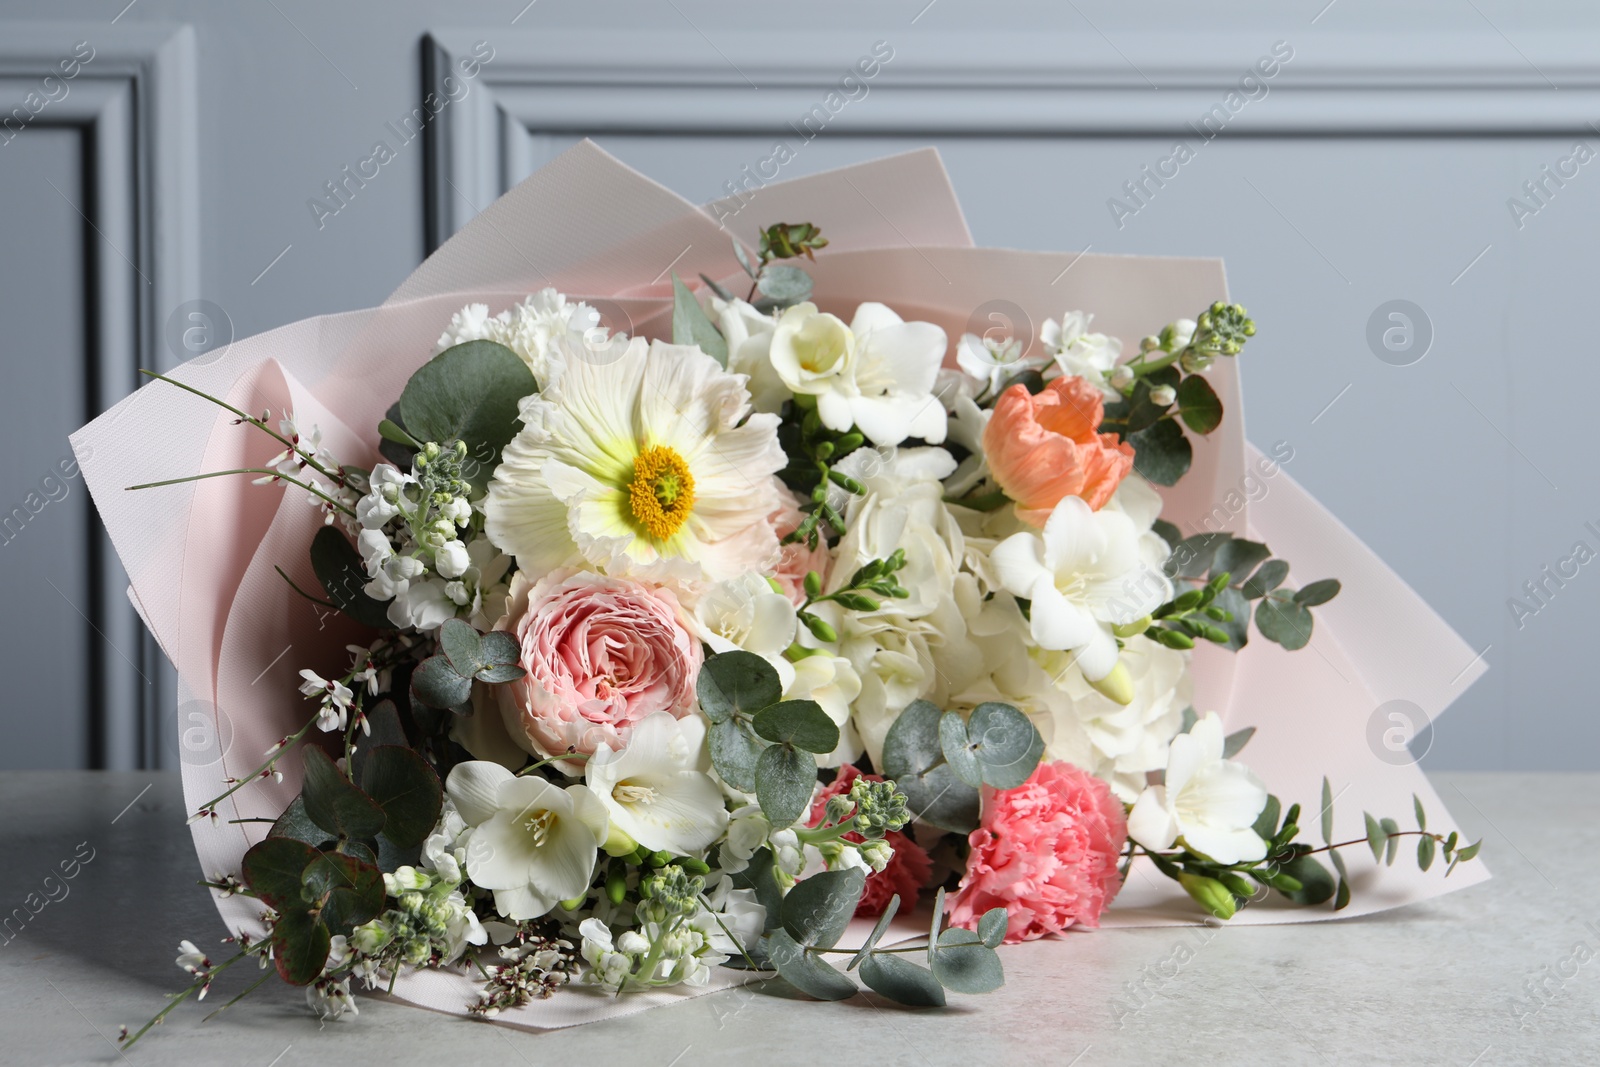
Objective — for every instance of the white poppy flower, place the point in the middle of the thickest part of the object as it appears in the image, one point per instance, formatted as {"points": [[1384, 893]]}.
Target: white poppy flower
{"points": [[1208, 801], [1083, 573], [877, 374], [652, 791], [533, 843]]}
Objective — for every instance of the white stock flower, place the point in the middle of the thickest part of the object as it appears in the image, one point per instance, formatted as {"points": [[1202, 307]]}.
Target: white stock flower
{"points": [[747, 612], [1208, 801], [652, 790], [533, 843], [1077, 351], [749, 336], [1083, 573], [876, 374]]}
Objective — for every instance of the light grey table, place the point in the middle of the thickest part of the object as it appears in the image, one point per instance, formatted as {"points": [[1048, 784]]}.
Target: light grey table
{"points": [[1506, 972]]}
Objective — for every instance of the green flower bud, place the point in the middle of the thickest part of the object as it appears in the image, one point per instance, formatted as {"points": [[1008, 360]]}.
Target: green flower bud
{"points": [[1209, 893], [1118, 685]]}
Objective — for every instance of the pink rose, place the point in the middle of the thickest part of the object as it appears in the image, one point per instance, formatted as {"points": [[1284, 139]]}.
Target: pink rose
{"points": [[908, 869], [1047, 852], [601, 654], [1046, 447]]}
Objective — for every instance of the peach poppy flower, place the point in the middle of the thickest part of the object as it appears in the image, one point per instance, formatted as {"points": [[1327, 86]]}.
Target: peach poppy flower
{"points": [[1046, 447]]}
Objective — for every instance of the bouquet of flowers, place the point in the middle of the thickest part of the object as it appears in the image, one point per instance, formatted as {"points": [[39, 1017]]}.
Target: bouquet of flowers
{"points": [[717, 644]]}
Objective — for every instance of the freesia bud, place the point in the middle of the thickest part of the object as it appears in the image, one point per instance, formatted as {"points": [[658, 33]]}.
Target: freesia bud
{"points": [[1116, 686], [1210, 894]]}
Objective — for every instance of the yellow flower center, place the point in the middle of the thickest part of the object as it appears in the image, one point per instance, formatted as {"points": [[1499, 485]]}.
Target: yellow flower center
{"points": [[662, 491]]}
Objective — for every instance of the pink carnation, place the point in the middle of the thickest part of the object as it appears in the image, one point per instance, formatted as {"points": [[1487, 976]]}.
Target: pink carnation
{"points": [[601, 654], [906, 872], [1047, 852]]}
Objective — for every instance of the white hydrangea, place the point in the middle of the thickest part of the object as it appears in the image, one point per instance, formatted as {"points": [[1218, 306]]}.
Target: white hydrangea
{"points": [[531, 329]]}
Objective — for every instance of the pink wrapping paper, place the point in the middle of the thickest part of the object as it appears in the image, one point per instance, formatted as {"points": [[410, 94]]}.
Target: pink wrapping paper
{"points": [[200, 556]]}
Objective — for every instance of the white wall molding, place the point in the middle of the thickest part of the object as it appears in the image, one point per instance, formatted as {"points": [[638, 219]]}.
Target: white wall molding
{"points": [[134, 104]]}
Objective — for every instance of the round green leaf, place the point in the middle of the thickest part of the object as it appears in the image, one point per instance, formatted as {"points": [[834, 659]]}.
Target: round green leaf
{"points": [[336, 805], [1239, 558], [1161, 452], [1318, 593], [438, 685], [461, 645], [817, 910], [347, 890], [1284, 622], [957, 751], [941, 799], [469, 393], [401, 783], [787, 285], [801, 723], [1266, 579], [806, 971], [970, 967], [1198, 404], [734, 752], [272, 869], [1005, 742], [913, 745], [1316, 884], [296, 824], [785, 778], [300, 946], [902, 981], [992, 926], [737, 682]]}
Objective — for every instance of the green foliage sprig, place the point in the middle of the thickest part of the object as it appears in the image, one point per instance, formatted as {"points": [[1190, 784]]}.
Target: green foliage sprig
{"points": [[1289, 868], [875, 576], [1231, 573]]}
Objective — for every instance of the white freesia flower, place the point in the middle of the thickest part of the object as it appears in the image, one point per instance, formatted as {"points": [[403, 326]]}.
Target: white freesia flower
{"points": [[652, 790], [1208, 801], [533, 843], [651, 465], [876, 374], [1083, 573], [746, 612], [1077, 351]]}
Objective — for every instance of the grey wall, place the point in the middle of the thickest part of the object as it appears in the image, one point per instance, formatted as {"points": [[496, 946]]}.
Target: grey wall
{"points": [[1377, 166]]}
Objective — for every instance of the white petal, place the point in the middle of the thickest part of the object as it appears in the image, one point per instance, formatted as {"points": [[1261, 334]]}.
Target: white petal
{"points": [[686, 815], [523, 902], [587, 810], [565, 862], [1150, 823], [1225, 846], [1098, 657], [1058, 623], [474, 786], [1018, 563], [1073, 540]]}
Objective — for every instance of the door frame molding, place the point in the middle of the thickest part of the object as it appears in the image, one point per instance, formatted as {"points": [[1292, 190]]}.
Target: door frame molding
{"points": [[135, 106]]}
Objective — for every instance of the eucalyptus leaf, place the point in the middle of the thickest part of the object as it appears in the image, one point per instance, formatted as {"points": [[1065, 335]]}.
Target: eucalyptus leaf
{"points": [[1284, 622], [941, 799], [806, 971], [801, 723], [1270, 575], [744, 259], [1234, 743], [1376, 838], [1191, 557], [1425, 849], [819, 908], [461, 646], [1007, 745], [690, 326], [758, 877], [992, 926], [913, 746], [878, 930], [1327, 813], [343, 576], [1316, 884], [1198, 404], [295, 824], [971, 967], [1266, 824], [1391, 830], [500, 673], [273, 867], [300, 943], [902, 981], [472, 393], [734, 752], [345, 890], [336, 805], [1239, 558], [497, 647], [437, 684], [958, 753], [401, 783], [1319, 592], [785, 778], [1161, 452], [737, 682], [786, 285]]}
